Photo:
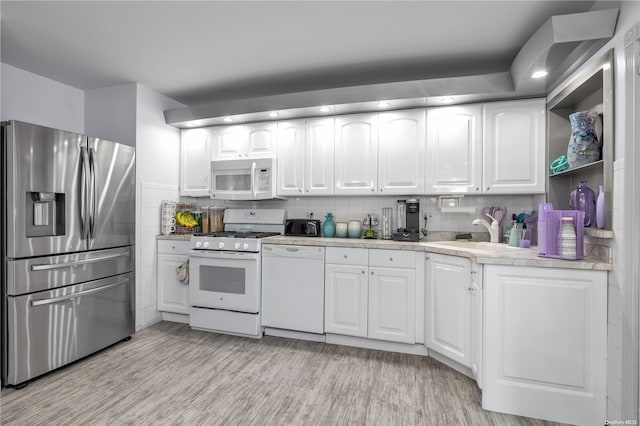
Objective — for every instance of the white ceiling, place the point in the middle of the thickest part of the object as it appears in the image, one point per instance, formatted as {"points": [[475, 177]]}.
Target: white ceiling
{"points": [[196, 52]]}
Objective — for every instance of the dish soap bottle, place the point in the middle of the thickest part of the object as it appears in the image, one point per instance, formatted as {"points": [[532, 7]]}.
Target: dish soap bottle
{"points": [[329, 226], [514, 236]]}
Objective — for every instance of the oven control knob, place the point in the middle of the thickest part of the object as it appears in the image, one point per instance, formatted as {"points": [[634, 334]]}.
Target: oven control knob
{"points": [[237, 246], [198, 244], [221, 245], [205, 244], [245, 246]]}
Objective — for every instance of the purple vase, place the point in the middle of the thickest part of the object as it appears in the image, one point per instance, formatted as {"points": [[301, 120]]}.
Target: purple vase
{"points": [[584, 199]]}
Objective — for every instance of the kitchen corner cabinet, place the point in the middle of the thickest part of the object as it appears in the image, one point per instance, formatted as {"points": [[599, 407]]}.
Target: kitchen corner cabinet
{"points": [[173, 296], [454, 150], [592, 89], [401, 152], [449, 296], [195, 163], [256, 140], [371, 294], [356, 154], [514, 147], [545, 346]]}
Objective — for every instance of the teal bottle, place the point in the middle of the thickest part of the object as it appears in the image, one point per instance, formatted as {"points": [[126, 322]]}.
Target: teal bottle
{"points": [[329, 226]]}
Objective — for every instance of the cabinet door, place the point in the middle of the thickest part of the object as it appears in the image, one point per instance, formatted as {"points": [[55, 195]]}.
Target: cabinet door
{"points": [[319, 159], [545, 351], [356, 154], [476, 325], [261, 140], [346, 300], [291, 153], [514, 147], [454, 150], [401, 152], [448, 322], [173, 296], [195, 163], [229, 142], [392, 313]]}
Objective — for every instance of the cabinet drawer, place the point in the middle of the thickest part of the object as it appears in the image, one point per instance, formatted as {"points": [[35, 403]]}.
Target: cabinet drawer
{"points": [[392, 258], [174, 247], [347, 256]]}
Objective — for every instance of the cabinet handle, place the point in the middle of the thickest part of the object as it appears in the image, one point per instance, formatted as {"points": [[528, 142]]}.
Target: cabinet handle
{"points": [[173, 247], [470, 289], [488, 188], [373, 190], [371, 272], [307, 190], [345, 256], [391, 259], [426, 256], [363, 271], [299, 190], [478, 188], [380, 189]]}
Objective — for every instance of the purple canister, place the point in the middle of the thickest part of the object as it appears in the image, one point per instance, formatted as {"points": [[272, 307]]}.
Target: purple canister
{"points": [[543, 209]]}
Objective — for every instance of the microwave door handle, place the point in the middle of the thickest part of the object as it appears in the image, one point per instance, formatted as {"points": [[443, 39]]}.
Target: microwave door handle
{"points": [[93, 199], [84, 189], [253, 180]]}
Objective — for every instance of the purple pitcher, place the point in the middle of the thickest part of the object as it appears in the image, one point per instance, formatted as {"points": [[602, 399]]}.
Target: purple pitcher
{"points": [[584, 199]]}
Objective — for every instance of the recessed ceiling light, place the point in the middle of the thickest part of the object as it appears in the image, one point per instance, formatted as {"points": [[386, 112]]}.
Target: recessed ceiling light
{"points": [[189, 124], [273, 114], [383, 104], [539, 74], [228, 119], [325, 109], [447, 99]]}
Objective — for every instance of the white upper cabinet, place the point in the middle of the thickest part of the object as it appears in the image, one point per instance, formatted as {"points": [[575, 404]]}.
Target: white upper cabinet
{"points": [[229, 142], [261, 140], [454, 150], [356, 154], [401, 152], [256, 140], [291, 157], [195, 163], [514, 147], [319, 160]]}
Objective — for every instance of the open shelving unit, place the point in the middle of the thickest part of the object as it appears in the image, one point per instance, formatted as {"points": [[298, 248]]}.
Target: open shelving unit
{"points": [[593, 89]]}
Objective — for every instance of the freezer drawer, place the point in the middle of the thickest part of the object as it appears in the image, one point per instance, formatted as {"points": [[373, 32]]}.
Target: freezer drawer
{"points": [[49, 272], [49, 329]]}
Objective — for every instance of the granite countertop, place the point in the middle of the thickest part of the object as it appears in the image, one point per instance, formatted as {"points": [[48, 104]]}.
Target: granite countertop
{"points": [[510, 256]]}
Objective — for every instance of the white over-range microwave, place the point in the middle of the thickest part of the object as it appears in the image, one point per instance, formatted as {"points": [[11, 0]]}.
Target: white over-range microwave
{"points": [[245, 179]]}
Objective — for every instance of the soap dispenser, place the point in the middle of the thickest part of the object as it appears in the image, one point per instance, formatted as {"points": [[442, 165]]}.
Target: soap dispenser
{"points": [[514, 236]]}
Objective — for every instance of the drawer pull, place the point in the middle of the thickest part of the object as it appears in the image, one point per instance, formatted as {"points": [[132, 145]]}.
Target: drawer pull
{"points": [[391, 259], [345, 256]]}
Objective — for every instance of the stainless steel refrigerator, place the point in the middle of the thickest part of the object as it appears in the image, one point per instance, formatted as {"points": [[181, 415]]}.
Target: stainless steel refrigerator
{"points": [[68, 229]]}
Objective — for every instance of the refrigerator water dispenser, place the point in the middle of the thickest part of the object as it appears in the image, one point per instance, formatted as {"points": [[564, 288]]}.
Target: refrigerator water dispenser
{"points": [[45, 214]]}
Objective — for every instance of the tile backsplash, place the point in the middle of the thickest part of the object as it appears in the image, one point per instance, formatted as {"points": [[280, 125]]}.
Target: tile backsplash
{"points": [[358, 207]]}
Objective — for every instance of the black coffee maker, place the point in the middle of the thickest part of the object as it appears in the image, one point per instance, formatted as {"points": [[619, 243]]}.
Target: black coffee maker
{"points": [[408, 213]]}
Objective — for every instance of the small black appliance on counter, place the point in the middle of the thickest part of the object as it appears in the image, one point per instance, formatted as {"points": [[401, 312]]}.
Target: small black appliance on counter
{"points": [[408, 221], [303, 227]]}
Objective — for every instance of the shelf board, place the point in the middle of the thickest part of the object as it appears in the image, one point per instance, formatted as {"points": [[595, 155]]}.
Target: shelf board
{"points": [[598, 233], [578, 169]]}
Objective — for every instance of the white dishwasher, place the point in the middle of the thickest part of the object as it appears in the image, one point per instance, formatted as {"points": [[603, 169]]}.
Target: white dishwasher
{"points": [[293, 287]]}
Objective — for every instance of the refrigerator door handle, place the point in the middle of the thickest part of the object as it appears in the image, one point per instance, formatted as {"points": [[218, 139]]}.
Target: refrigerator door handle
{"points": [[75, 295], [93, 198], [84, 189], [50, 266]]}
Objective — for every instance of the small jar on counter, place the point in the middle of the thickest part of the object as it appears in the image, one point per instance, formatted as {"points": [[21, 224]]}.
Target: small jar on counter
{"points": [[197, 216]]}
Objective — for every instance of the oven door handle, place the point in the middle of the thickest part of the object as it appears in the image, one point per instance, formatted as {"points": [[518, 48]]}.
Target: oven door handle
{"points": [[253, 180], [229, 255]]}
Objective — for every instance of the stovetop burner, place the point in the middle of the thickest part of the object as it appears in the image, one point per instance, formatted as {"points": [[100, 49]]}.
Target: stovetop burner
{"points": [[236, 234]]}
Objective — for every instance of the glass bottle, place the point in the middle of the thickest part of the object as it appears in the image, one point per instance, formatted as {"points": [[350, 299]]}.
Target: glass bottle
{"points": [[584, 199], [567, 238], [329, 226]]}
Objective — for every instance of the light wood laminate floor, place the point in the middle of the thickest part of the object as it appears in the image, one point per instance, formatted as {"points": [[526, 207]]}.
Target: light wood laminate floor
{"points": [[170, 374]]}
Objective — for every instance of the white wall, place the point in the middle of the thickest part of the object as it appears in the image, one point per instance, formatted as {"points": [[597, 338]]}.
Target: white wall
{"points": [[618, 285], [110, 113], [39, 100], [157, 177]]}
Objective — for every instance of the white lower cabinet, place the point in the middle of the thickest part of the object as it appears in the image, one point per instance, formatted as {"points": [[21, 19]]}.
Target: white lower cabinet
{"points": [[546, 343], [173, 296], [367, 296], [448, 324]]}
